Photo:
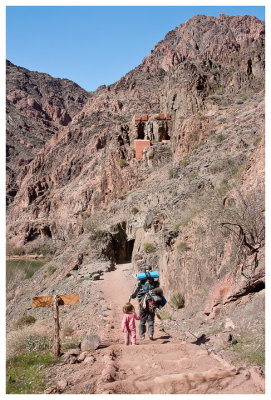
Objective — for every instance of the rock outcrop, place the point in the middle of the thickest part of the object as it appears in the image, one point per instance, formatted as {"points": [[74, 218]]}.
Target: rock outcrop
{"points": [[37, 107]]}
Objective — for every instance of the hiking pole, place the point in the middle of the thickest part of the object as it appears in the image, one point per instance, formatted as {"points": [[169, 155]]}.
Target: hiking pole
{"points": [[133, 292], [202, 337]]}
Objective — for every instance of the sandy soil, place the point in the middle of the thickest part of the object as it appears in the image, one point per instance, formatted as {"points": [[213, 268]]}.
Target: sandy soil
{"points": [[165, 365]]}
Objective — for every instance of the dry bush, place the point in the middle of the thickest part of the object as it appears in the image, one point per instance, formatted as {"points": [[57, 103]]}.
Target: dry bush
{"points": [[28, 338], [177, 300], [21, 292], [134, 210], [66, 331], [14, 277], [122, 162], [241, 221], [24, 320], [245, 222], [148, 247], [182, 246], [50, 270]]}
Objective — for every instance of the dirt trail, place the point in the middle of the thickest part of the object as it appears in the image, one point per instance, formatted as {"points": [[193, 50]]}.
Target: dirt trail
{"points": [[166, 365]]}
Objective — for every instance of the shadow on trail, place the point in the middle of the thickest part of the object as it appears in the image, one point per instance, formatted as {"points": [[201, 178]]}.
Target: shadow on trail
{"points": [[164, 337], [202, 340], [103, 346]]}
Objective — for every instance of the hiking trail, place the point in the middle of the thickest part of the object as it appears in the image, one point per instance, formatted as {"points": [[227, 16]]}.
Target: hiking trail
{"points": [[166, 365]]}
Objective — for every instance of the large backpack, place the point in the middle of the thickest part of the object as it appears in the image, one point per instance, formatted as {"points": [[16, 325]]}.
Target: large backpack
{"points": [[148, 280], [151, 301], [147, 296]]}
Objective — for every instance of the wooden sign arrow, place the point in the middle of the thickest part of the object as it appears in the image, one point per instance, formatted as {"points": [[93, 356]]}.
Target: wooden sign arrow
{"points": [[55, 302], [47, 301]]}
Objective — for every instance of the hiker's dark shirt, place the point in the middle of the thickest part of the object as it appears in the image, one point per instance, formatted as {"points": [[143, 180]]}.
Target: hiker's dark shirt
{"points": [[139, 287]]}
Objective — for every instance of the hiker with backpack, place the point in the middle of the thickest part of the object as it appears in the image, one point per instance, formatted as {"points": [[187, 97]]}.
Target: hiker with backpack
{"points": [[146, 298], [128, 324]]}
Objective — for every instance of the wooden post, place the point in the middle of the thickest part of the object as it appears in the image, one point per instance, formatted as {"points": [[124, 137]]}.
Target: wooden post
{"points": [[56, 345], [55, 302]]}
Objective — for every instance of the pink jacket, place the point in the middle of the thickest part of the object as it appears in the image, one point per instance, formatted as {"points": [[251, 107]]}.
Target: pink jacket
{"points": [[128, 321]]}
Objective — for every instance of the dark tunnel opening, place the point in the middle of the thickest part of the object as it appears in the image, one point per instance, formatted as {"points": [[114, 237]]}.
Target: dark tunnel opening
{"points": [[123, 248], [260, 286]]}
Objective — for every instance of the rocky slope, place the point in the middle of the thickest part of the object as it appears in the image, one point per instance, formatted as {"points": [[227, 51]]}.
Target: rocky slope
{"points": [[37, 107], [194, 207]]}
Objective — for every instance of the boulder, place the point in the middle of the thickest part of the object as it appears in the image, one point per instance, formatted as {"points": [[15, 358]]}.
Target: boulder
{"points": [[90, 342], [82, 356]]}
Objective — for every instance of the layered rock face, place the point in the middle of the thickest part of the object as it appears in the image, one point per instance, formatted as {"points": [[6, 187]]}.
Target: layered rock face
{"points": [[192, 207], [37, 107]]}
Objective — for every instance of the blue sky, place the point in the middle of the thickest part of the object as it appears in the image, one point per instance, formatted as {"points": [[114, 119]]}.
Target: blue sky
{"points": [[95, 45]]}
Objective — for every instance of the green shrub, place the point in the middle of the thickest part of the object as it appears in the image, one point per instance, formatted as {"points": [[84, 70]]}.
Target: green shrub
{"points": [[246, 353], [245, 96], [192, 176], [43, 251], [23, 374], [29, 267], [24, 320], [177, 300], [97, 234], [134, 210], [18, 251], [219, 91], [71, 344], [50, 270], [148, 247], [163, 315], [170, 172], [257, 141], [38, 343], [177, 226], [184, 163], [238, 173], [198, 145], [224, 188], [122, 194], [123, 163], [220, 138]]}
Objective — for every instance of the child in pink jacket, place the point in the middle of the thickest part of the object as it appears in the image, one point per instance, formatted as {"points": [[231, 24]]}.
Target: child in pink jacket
{"points": [[128, 323]]}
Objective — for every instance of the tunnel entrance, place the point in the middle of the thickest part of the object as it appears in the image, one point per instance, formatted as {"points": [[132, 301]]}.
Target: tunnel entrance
{"points": [[123, 248], [140, 131], [129, 249]]}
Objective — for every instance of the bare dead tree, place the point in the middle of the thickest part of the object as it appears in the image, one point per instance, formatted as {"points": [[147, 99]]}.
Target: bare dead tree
{"points": [[246, 223]]}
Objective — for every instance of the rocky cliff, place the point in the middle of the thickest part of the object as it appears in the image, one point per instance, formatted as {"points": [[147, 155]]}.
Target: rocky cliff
{"points": [[37, 106], [193, 207]]}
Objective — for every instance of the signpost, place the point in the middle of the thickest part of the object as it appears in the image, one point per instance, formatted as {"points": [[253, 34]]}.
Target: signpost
{"points": [[55, 302]]}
